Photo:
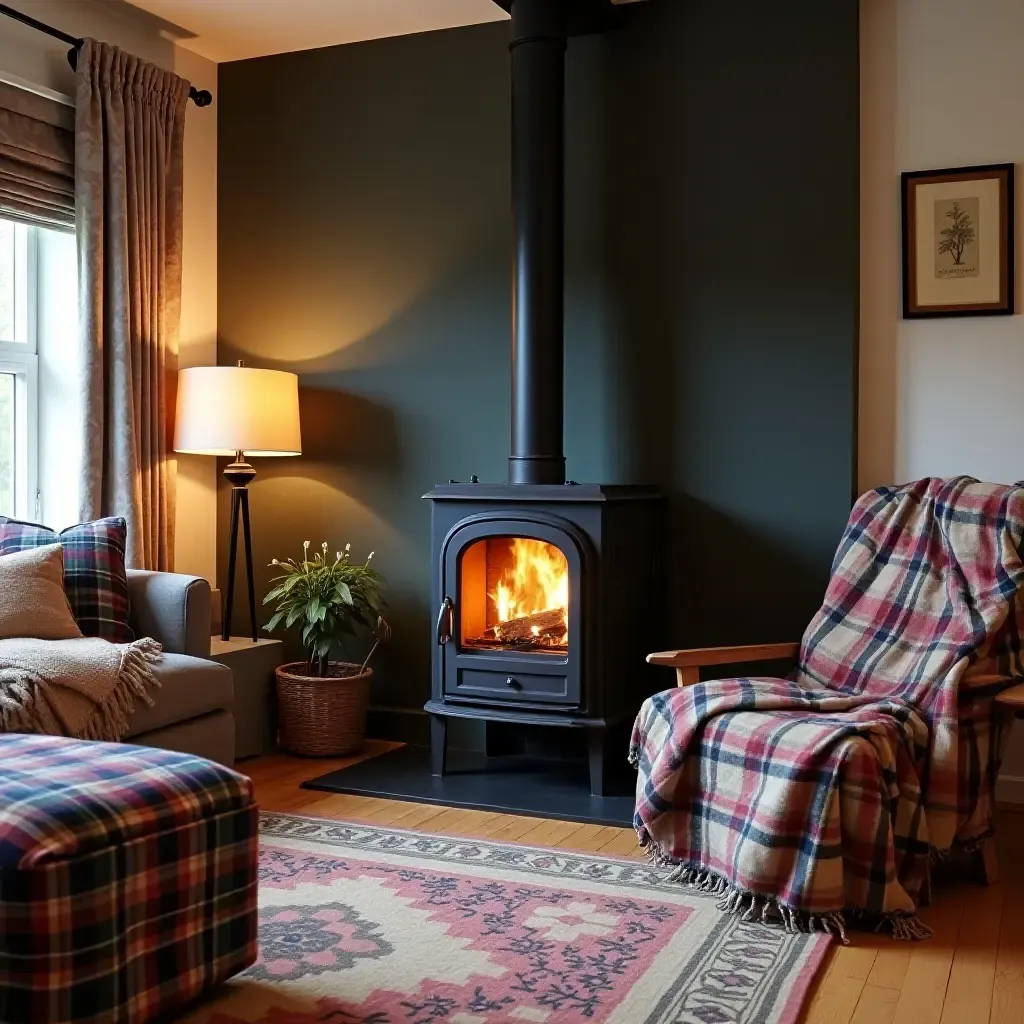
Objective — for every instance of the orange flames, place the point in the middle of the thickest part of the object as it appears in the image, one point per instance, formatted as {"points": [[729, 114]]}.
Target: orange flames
{"points": [[537, 581]]}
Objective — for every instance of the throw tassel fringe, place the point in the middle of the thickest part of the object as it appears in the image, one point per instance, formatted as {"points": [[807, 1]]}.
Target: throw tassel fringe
{"points": [[907, 927], [110, 719], [751, 906], [19, 712]]}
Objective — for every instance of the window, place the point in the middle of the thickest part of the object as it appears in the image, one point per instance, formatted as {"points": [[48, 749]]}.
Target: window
{"points": [[19, 413]]}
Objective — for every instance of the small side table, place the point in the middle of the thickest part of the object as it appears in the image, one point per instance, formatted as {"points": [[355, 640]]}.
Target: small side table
{"points": [[252, 664]]}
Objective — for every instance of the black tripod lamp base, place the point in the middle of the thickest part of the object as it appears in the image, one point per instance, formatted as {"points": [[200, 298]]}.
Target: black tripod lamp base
{"points": [[238, 474]]}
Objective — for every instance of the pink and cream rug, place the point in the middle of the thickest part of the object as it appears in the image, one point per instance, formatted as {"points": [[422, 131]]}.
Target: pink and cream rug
{"points": [[365, 925]]}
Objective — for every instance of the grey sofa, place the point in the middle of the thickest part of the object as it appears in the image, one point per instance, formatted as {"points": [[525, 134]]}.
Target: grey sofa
{"points": [[192, 707]]}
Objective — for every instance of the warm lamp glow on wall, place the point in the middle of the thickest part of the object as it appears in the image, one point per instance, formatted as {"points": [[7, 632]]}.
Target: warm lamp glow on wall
{"points": [[237, 411]]}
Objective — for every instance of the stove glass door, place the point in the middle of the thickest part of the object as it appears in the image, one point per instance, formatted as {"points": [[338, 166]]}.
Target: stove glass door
{"points": [[514, 596]]}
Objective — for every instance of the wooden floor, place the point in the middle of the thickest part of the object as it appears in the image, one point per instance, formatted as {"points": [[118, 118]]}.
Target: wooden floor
{"points": [[970, 972]]}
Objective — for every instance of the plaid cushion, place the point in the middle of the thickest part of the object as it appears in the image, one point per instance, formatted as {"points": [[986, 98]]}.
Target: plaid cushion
{"points": [[94, 573], [133, 928], [799, 798]]}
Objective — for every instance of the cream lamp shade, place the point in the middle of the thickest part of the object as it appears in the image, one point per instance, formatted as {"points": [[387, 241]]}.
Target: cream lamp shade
{"points": [[227, 409]]}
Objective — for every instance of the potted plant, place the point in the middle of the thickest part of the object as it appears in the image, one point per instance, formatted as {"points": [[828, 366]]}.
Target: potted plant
{"points": [[322, 703]]}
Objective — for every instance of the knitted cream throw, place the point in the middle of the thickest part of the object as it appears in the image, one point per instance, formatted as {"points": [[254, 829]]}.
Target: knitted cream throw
{"points": [[84, 688]]}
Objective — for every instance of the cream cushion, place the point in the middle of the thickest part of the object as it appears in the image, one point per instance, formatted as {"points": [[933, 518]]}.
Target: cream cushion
{"points": [[32, 599]]}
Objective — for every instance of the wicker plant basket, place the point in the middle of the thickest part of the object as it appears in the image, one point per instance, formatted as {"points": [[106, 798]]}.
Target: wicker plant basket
{"points": [[322, 716]]}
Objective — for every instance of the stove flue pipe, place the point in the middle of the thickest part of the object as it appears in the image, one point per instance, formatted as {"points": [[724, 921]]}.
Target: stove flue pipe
{"points": [[538, 203]]}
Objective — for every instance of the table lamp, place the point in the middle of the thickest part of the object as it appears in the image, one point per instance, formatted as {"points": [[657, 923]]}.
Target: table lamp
{"points": [[237, 411]]}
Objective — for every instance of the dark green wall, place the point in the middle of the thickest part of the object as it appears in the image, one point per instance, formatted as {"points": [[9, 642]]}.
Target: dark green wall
{"points": [[712, 268]]}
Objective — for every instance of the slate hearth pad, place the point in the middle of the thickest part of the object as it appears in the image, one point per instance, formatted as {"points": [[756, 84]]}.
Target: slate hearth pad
{"points": [[512, 785]]}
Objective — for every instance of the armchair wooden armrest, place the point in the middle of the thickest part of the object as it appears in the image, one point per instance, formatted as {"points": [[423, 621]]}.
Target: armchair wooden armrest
{"points": [[689, 663], [1013, 698]]}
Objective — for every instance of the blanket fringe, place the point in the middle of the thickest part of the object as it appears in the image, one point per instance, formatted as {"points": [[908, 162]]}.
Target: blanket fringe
{"points": [[20, 712], [110, 719], [751, 906], [907, 927]]}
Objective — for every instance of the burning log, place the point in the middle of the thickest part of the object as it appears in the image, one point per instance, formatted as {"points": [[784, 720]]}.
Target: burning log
{"points": [[544, 624]]}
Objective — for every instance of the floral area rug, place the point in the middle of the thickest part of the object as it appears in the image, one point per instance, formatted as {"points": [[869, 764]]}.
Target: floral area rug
{"points": [[365, 925]]}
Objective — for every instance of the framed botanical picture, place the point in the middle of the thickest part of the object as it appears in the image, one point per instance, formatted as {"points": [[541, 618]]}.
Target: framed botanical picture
{"points": [[958, 241]]}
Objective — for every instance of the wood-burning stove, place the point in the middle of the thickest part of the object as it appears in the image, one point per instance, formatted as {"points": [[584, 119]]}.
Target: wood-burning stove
{"points": [[548, 597], [547, 592]]}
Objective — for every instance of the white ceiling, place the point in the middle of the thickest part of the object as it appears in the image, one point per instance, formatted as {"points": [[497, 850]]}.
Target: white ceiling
{"points": [[223, 30]]}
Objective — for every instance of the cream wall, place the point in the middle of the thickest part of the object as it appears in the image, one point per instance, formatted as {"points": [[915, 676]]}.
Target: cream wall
{"points": [[942, 85], [38, 60]]}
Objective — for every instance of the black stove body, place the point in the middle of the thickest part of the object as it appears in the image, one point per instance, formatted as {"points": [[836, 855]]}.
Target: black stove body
{"points": [[590, 676], [548, 593]]}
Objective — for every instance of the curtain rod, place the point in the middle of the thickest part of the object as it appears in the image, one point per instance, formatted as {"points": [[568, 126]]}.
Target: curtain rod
{"points": [[201, 97]]}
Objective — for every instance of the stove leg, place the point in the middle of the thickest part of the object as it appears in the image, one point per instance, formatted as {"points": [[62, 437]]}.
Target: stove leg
{"points": [[596, 751], [438, 744]]}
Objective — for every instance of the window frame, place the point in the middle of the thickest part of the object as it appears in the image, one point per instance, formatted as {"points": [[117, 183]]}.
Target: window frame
{"points": [[21, 358]]}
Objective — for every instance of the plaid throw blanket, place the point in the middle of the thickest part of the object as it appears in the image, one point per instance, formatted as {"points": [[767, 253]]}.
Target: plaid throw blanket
{"points": [[827, 794]]}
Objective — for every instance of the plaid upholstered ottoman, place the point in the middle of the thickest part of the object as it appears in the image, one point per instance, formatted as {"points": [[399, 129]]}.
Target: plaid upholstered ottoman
{"points": [[127, 880]]}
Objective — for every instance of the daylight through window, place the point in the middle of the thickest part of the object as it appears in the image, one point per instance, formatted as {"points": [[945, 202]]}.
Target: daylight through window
{"points": [[18, 369]]}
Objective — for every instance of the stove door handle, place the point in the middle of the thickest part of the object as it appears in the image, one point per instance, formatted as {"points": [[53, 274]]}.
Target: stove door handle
{"points": [[445, 621]]}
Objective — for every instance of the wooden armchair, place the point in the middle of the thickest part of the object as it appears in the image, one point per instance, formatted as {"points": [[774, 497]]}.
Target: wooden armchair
{"points": [[688, 664]]}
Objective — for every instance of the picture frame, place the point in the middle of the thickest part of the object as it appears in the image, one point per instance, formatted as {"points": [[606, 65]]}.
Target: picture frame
{"points": [[958, 235]]}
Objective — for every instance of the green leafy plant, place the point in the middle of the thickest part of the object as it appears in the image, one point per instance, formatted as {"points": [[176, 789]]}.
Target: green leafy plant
{"points": [[330, 600]]}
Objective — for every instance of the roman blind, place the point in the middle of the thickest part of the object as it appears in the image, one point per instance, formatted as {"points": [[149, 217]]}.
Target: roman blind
{"points": [[37, 159]]}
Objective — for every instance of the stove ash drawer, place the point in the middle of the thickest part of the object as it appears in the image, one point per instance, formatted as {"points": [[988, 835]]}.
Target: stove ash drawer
{"points": [[515, 687]]}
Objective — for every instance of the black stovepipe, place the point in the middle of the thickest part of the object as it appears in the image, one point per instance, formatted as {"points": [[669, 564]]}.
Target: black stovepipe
{"points": [[539, 40]]}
